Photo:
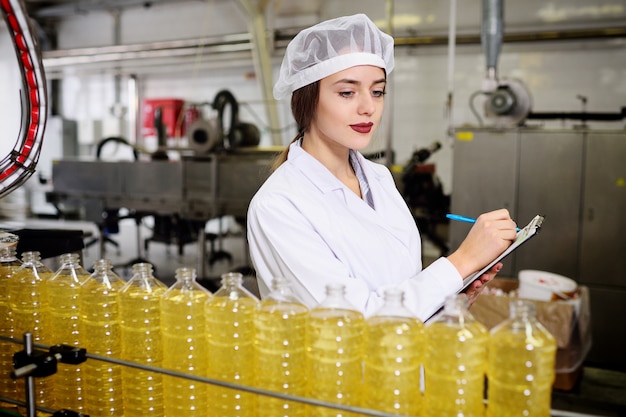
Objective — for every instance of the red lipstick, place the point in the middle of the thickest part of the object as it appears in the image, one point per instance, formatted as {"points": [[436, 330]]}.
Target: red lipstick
{"points": [[362, 127]]}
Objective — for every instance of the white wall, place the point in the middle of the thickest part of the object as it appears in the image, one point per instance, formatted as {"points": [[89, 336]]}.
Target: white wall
{"points": [[554, 72]]}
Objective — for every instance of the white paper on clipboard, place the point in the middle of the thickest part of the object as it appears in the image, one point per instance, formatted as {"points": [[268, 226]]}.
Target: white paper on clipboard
{"points": [[530, 230]]}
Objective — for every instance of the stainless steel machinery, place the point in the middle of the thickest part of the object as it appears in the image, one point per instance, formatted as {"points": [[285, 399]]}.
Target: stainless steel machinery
{"points": [[198, 188], [577, 179]]}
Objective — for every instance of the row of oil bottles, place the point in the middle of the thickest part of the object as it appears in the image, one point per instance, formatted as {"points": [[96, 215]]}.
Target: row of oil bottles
{"points": [[389, 362]]}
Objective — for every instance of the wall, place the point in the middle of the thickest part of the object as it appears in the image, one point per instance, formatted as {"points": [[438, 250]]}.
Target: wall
{"points": [[554, 72]]}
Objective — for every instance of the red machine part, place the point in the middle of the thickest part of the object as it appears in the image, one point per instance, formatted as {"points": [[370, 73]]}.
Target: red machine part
{"points": [[20, 163]]}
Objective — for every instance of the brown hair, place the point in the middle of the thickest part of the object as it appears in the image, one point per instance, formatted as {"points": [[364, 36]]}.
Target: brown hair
{"points": [[303, 108]]}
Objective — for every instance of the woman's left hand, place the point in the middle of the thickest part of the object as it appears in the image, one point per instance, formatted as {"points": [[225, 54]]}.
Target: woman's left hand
{"points": [[476, 287]]}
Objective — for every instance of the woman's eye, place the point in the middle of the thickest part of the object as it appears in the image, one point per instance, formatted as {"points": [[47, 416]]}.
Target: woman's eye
{"points": [[378, 93], [345, 93]]}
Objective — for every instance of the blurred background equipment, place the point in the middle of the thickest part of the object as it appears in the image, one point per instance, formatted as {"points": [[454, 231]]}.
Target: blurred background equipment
{"points": [[425, 197], [574, 176], [179, 187]]}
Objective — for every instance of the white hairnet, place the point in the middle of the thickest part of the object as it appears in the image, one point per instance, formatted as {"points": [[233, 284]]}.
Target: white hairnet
{"points": [[332, 46]]}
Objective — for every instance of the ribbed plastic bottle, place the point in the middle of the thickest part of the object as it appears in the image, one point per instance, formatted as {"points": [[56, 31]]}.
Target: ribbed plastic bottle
{"points": [[230, 340], [63, 291], [394, 354], [140, 325], [455, 363], [29, 310], [183, 324], [9, 264], [335, 349], [520, 369], [280, 353], [100, 335]]}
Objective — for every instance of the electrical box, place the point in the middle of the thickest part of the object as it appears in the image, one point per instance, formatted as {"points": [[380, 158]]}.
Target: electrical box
{"points": [[171, 115]]}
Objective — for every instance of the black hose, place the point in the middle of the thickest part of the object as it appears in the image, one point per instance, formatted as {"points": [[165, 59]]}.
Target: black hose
{"points": [[118, 140]]}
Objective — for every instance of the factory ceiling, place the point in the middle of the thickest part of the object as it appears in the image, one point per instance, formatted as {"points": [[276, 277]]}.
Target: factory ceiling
{"points": [[414, 23], [594, 12]]}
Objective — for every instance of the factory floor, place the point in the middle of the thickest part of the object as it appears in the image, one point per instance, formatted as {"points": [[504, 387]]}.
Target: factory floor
{"points": [[596, 391]]}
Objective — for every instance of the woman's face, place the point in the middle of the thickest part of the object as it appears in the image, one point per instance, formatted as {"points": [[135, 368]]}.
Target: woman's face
{"points": [[350, 107]]}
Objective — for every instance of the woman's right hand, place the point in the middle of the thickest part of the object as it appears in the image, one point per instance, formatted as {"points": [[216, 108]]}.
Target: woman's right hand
{"points": [[492, 233]]}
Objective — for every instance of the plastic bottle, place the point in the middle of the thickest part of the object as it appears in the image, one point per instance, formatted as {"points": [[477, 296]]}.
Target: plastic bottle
{"points": [[63, 305], [140, 325], [394, 354], [29, 311], [9, 264], [455, 362], [521, 363], [182, 325], [230, 339], [280, 354], [100, 335], [335, 348]]}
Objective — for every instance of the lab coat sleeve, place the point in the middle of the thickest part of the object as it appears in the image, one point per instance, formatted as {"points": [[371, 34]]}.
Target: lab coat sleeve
{"points": [[424, 292], [283, 242]]}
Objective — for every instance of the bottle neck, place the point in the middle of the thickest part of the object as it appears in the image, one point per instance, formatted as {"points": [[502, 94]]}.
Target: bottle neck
{"points": [[522, 310], [186, 279], [31, 256], [282, 292], [456, 305], [232, 280], [103, 265], [8, 254], [394, 304], [142, 270], [71, 259]]}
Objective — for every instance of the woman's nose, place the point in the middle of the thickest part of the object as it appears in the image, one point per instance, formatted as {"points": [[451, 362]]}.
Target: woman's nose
{"points": [[366, 104]]}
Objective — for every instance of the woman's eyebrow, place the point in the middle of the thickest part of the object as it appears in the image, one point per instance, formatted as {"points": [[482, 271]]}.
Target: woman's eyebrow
{"points": [[351, 81]]}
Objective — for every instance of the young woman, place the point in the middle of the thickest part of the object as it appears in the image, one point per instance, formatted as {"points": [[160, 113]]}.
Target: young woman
{"points": [[326, 214]]}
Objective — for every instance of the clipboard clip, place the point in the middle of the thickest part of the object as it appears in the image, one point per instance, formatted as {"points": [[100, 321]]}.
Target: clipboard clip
{"points": [[537, 222]]}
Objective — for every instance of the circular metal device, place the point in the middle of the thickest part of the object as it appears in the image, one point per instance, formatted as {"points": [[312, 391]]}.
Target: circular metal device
{"points": [[509, 104], [203, 135]]}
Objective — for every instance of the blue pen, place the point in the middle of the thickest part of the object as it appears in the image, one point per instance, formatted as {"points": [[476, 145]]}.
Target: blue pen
{"points": [[460, 218]]}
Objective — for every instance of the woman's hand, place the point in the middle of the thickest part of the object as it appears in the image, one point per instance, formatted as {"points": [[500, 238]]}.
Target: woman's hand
{"points": [[476, 287], [492, 233]]}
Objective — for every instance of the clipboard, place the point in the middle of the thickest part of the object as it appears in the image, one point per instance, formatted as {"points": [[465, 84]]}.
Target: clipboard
{"points": [[523, 236]]}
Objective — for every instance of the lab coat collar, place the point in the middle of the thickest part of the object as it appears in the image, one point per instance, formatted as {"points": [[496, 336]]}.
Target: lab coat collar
{"points": [[318, 174]]}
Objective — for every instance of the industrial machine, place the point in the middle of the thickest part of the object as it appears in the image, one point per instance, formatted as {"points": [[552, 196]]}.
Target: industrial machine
{"points": [[216, 175], [575, 177]]}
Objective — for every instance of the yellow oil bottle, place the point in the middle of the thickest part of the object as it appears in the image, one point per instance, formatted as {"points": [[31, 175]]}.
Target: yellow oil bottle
{"points": [[62, 292], [335, 348], [29, 311], [183, 325], [9, 264], [140, 325], [394, 353], [455, 363], [280, 354], [520, 369], [100, 335], [230, 340]]}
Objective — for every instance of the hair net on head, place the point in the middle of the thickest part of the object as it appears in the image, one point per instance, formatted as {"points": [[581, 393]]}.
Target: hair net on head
{"points": [[332, 46]]}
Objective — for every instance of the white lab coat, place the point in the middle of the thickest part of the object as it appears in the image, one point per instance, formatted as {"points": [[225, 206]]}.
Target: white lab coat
{"points": [[307, 226]]}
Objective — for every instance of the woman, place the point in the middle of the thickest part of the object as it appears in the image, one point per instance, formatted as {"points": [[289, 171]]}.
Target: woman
{"points": [[326, 214]]}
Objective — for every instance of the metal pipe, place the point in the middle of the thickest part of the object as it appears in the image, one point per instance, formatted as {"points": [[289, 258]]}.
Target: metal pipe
{"points": [[238, 43], [31, 403], [134, 114], [389, 154], [263, 66], [491, 35], [451, 56], [597, 116]]}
